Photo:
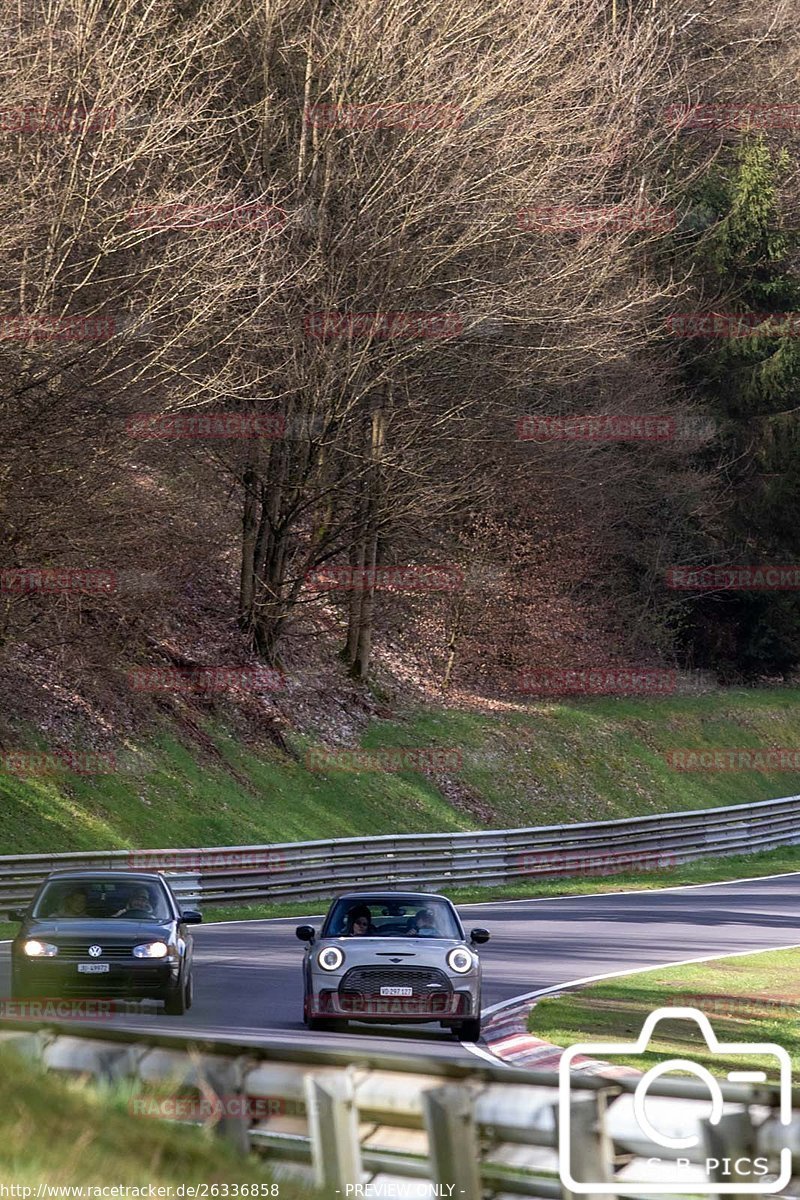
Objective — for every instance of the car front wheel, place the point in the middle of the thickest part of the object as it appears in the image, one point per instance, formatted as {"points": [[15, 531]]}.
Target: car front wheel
{"points": [[469, 1031], [178, 1001]]}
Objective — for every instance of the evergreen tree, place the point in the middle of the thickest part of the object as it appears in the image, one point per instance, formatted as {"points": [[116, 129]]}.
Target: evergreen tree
{"points": [[750, 384]]}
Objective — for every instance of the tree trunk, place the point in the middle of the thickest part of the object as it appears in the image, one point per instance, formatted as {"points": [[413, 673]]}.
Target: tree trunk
{"points": [[360, 668], [358, 555], [249, 540], [364, 649]]}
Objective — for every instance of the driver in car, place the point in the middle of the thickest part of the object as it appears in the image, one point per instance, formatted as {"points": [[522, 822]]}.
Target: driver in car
{"points": [[138, 902], [424, 924]]}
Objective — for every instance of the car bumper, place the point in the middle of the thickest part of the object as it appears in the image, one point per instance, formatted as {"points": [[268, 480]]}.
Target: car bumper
{"points": [[140, 980], [417, 1009]]}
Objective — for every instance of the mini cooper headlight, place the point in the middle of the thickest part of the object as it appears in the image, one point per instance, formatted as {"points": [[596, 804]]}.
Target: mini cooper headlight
{"points": [[35, 949], [151, 950], [459, 960], [331, 958]]}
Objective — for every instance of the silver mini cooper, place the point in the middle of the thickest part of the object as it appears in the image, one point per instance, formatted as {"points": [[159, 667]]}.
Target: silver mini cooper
{"points": [[392, 957]]}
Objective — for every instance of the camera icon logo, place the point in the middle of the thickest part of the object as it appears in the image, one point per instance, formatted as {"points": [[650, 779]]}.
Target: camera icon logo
{"points": [[671, 1145]]}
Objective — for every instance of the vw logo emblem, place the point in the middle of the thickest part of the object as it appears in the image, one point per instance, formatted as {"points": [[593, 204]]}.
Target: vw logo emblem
{"points": [[95, 951]]}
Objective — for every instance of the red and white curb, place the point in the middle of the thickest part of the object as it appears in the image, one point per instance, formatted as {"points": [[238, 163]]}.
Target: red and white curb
{"points": [[507, 1037]]}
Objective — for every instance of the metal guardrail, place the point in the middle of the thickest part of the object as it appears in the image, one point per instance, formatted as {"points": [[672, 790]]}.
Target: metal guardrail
{"points": [[432, 861], [341, 1117]]}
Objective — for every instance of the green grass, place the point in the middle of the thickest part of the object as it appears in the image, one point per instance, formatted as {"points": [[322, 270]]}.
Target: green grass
{"points": [[747, 998], [556, 762], [59, 1130], [597, 759]]}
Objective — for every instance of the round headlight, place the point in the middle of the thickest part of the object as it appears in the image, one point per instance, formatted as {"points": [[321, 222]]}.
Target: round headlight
{"points": [[459, 960], [151, 950], [35, 949], [331, 958]]}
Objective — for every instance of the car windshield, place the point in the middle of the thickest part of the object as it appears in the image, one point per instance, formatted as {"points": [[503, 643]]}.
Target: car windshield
{"points": [[385, 916], [93, 899]]}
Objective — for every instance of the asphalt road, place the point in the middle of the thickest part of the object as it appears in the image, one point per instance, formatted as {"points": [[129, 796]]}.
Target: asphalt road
{"points": [[248, 980]]}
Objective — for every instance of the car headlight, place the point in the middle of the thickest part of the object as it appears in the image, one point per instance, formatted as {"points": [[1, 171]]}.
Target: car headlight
{"points": [[331, 958], [35, 949], [151, 950], [460, 960]]}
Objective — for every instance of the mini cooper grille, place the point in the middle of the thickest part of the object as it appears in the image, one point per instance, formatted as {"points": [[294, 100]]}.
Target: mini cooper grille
{"points": [[79, 952], [368, 981]]}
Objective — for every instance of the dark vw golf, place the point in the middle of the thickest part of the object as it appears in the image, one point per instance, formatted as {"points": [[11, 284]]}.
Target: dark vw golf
{"points": [[104, 934]]}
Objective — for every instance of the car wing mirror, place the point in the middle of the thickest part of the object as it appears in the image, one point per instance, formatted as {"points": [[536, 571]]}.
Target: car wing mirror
{"points": [[15, 915], [190, 916], [306, 933], [479, 936]]}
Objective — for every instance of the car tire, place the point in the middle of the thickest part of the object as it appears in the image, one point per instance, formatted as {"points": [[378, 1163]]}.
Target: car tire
{"points": [[175, 1002], [469, 1031]]}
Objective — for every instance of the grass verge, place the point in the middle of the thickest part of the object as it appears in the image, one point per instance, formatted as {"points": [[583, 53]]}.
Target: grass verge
{"points": [[57, 1130], [555, 762], [748, 998]]}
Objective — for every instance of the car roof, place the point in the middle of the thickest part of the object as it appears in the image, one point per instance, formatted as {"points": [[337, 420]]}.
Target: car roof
{"points": [[389, 894], [105, 873]]}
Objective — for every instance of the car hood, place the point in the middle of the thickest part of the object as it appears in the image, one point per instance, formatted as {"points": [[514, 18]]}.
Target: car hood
{"points": [[109, 932]]}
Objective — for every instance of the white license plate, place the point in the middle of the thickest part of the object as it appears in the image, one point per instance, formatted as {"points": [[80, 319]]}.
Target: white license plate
{"points": [[93, 968], [397, 991]]}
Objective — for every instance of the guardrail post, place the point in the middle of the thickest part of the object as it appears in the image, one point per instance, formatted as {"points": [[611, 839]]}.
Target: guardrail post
{"points": [[592, 1153], [225, 1080], [333, 1127], [452, 1136], [732, 1138]]}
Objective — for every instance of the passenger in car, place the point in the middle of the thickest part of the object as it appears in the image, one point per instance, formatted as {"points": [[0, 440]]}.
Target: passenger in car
{"points": [[74, 904]]}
